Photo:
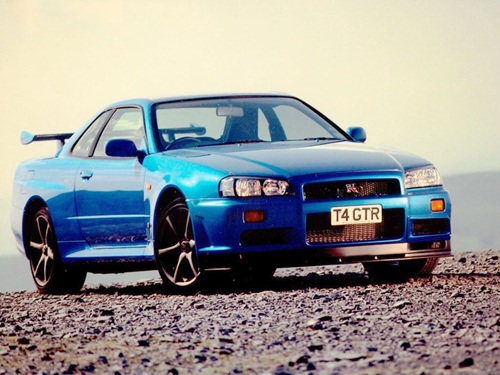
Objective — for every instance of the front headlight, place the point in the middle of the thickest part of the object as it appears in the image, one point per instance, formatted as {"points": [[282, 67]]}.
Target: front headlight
{"points": [[253, 187], [422, 177]]}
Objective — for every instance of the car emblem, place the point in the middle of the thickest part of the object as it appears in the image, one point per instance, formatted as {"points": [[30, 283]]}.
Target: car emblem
{"points": [[353, 190]]}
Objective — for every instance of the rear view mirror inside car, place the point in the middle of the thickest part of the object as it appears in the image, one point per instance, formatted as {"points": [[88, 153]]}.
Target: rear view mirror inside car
{"points": [[230, 111]]}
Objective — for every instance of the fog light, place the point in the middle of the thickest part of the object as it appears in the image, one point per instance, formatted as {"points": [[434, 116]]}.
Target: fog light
{"points": [[437, 205], [254, 216]]}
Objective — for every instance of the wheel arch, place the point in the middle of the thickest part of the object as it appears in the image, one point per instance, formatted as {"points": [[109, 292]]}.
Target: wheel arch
{"points": [[33, 205], [164, 199]]}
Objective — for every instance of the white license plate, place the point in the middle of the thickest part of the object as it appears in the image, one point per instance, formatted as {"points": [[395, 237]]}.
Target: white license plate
{"points": [[366, 214]]}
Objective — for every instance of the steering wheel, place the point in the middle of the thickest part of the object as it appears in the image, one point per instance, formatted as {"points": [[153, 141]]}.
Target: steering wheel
{"points": [[182, 142]]}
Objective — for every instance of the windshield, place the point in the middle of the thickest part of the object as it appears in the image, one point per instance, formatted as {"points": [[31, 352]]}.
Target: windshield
{"points": [[207, 122]]}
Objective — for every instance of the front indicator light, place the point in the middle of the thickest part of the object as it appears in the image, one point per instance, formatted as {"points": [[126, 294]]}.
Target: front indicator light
{"points": [[437, 205], [254, 216]]}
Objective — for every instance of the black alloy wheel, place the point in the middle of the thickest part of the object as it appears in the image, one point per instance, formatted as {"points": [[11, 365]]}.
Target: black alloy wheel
{"points": [[175, 247], [49, 274]]}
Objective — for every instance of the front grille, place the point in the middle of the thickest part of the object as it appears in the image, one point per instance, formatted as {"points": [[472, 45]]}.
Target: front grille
{"points": [[319, 229], [351, 189]]}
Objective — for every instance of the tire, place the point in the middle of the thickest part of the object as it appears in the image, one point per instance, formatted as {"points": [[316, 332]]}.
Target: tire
{"points": [[48, 271], [175, 248], [404, 269]]}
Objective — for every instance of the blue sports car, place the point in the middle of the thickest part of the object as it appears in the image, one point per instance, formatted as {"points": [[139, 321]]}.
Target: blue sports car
{"points": [[243, 183]]}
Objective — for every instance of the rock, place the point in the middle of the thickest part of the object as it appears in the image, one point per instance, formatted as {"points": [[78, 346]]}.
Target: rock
{"points": [[102, 359], [313, 348], [321, 320], [303, 359], [405, 345], [401, 304], [88, 368], [23, 341], [467, 362], [325, 318], [310, 367], [349, 356], [314, 324]]}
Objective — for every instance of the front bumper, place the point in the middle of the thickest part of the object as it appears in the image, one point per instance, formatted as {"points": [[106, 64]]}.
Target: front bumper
{"points": [[296, 231]]}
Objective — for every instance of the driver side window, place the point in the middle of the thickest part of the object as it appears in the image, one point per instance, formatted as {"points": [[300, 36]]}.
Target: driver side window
{"points": [[83, 148], [126, 123]]}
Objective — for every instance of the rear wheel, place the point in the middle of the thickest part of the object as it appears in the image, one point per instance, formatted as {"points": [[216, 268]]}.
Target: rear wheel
{"points": [[175, 247], [47, 269], [404, 269]]}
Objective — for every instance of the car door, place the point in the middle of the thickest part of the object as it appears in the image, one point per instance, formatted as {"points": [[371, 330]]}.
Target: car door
{"points": [[109, 191]]}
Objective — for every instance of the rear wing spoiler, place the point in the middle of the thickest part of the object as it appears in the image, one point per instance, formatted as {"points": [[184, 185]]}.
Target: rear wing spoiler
{"points": [[27, 138]]}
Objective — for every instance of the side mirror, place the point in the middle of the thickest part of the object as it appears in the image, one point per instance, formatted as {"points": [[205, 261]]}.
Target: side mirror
{"points": [[121, 148], [357, 133]]}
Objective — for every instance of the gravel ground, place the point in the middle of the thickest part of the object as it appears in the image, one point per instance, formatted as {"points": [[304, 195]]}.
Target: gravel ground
{"points": [[321, 320]]}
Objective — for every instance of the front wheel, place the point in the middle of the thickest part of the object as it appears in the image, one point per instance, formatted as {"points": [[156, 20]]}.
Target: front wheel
{"points": [[48, 271], [404, 269], [175, 247]]}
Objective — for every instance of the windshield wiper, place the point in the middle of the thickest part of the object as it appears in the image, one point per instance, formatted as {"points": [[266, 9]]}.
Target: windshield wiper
{"points": [[243, 141], [321, 139], [230, 143]]}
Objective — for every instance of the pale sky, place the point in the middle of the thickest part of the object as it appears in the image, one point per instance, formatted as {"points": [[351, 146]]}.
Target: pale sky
{"points": [[423, 76]]}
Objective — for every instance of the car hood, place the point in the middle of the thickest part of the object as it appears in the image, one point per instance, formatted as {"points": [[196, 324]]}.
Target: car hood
{"points": [[288, 159]]}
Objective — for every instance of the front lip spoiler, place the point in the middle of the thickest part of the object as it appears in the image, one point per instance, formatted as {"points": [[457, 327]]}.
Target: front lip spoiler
{"points": [[390, 252], [324, 256]]}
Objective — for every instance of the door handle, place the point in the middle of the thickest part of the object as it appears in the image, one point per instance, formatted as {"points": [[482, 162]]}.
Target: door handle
{"points": [[86, 175]]}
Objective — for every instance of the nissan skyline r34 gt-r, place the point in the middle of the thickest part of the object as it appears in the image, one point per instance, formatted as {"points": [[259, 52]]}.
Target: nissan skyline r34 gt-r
{"points": [[249, 182]]}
